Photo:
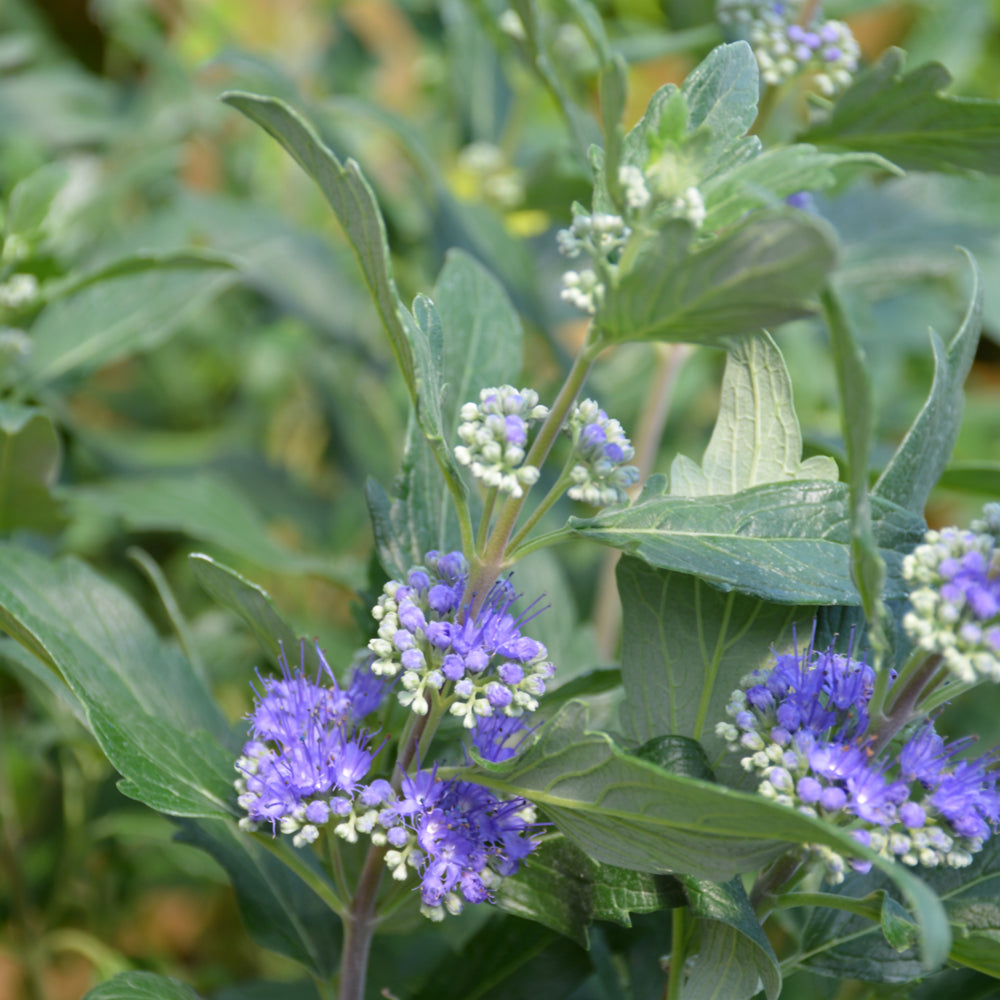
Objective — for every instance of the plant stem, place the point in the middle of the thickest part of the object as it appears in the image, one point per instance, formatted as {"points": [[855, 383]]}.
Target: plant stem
{"points": [[359, 927], [906, 692], [765, 890], [809, 12], [558, 488], [678, 934]]}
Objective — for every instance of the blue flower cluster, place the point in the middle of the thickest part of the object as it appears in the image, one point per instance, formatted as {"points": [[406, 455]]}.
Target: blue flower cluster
{"points": [[785, 48], [309, 764], [307, 755], [459, 837], [801, 725], [600, 475], [477, 661], [493, 436], [954, 579]]}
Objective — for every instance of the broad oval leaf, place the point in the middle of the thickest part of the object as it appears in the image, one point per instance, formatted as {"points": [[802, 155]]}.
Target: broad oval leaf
{"points": [[789, 543], [136, 985]]}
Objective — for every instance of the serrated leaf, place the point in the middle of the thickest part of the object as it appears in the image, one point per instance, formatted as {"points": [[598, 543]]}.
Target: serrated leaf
{"points": [[280, 910], [783, 542], [923, 454], [722, 92], [148, 710], [205, 507], [561, 887], [763, 271], [908, 120], [135, 985], [777, 173], [30, 455], [734, 960], [628, 812], [347, 191], [685, 647], [252, 603], [102, 322], [756, 437]]}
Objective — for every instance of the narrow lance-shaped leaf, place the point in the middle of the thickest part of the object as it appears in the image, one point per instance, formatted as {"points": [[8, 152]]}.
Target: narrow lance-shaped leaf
{"points": [[783, 542], [354, 204], [923, 454]]}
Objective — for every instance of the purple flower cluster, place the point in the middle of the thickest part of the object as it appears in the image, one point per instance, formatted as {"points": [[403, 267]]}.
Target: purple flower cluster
{"points": [[459, 838], [801, 725], [307, 756], [476, 661], [954, 579], [600, 475]]}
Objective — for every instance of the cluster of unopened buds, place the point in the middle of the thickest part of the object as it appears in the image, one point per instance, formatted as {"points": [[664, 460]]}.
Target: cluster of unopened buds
{"points": [[308, 763], [954, 579], [802, 727], [785, 48], [493, 437], [600, 475]]}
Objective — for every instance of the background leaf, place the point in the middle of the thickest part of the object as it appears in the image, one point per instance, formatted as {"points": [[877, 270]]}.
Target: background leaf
{"points": [[907, 119], [30, 456], [142, 986]]}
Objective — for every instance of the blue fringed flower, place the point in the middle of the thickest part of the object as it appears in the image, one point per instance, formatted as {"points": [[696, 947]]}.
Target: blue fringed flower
{"points": [[801, 726], [306, 758]]}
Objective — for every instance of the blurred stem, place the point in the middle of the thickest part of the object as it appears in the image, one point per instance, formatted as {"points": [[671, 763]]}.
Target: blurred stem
{"points": [[649, 435], [809, 12], [678, 935], [772, 880]]}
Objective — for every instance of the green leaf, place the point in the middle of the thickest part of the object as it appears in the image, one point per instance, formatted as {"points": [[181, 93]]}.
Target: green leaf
{"points": [[923, 454], [252, 603], [783, 542], [131, 312], [756, 437], [722, 93], [685, 647], [509, 958], [141, 986], [777, 173], [280, 910], [481, 338], [564, 889], [148, 710], [909, 121], [350, 196], [763, 271], [30, 455], [857, 420], [972, 477], [205, 507], [838, 942], [31, 199], [628, 812], [734, 958]]}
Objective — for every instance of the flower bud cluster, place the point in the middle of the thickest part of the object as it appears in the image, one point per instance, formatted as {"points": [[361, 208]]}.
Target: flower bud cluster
{"points": [[600, 237], [600, 476], [800, 726], [306, 758], [493, 436], [954, 580], [478, 661], [19, 292], [786, 49]]}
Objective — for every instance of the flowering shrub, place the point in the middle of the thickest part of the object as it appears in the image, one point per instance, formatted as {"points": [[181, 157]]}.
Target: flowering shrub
{"points": [[561, 682]]}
